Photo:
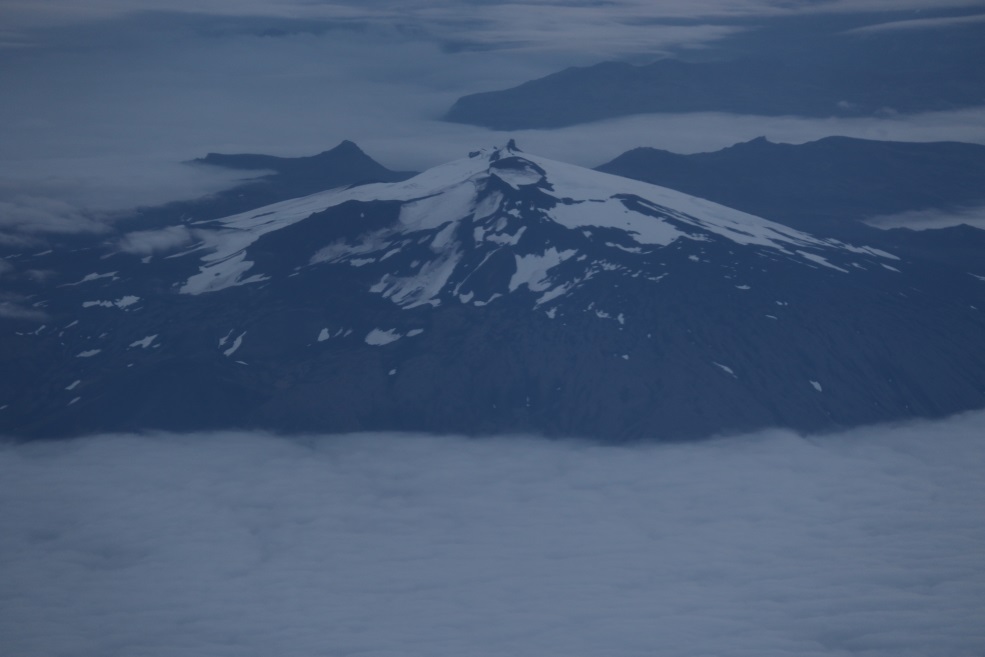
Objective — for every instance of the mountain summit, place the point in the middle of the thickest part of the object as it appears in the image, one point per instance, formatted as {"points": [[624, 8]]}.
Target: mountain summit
{"points": [[485, 226], [499, 292]]}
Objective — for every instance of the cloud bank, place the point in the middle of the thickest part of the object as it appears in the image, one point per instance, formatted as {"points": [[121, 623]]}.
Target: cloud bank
{"points": [[930, 219], [592, 144], [866, 543], [920, 24], [146, 242]]}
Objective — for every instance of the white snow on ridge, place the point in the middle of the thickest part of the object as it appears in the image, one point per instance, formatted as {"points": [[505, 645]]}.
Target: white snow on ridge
{"points": [[518, 177], [580, 184], [143, 343], [446, 195], [421, 288], [123, 302], [325, 334], [379, 337], [88, 278], [725, 368], [821, 261], [236, 345], [221, 274], [532, 270], [612, 213]]}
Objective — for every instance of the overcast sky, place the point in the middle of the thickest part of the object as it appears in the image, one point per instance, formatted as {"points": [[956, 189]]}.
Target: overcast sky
{"points": [[104, 99]]}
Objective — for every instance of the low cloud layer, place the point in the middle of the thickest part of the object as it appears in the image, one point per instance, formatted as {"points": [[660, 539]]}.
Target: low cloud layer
{"points": [[90, 195], [866, 543], [931, 219], [145, 242], [31, 214], [592, 144], [920, 24]]}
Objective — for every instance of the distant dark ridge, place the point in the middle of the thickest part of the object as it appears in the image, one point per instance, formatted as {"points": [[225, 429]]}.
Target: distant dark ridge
{"points": [[291, 177], [827, 75], [827, 184], [344, 164]]}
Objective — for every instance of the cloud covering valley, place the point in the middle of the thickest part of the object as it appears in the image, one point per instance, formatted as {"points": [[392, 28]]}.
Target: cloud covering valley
{"points": [[869, 542]]}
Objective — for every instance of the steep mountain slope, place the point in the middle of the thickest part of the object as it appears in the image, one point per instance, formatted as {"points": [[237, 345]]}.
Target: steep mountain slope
{"points": [[500, 292]]}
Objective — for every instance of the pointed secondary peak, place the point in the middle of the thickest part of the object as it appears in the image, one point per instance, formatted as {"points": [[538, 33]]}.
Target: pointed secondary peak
{"points": [[758, 142], [346, 149], [347, 146]]}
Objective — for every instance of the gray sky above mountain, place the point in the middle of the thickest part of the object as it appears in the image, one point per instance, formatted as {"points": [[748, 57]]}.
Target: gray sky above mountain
{"points": [[103, 100]]}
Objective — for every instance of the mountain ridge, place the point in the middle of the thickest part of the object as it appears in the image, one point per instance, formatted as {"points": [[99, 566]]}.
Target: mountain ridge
{"points": [[831, 183], [834, 74], [502, 292]]}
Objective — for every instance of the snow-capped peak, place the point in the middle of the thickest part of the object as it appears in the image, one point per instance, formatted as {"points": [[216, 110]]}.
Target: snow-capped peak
{"points": [[513, 220]]}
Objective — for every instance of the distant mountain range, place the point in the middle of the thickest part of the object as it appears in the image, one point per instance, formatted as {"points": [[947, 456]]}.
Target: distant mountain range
{"points": [[501, 292], [855, 72], [829, 186], [834, 180]]}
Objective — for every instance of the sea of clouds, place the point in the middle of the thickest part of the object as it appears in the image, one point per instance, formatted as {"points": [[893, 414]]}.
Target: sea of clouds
{"points": [[869, 542]]}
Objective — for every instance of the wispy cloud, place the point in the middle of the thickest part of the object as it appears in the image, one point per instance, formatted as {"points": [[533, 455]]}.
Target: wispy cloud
{"points": [[17, 311], [143, 242], [15, 306], [427, 143], [89, 195], [29, 214], [931, 218], [920, 24], [868, 542], [494, 13]]}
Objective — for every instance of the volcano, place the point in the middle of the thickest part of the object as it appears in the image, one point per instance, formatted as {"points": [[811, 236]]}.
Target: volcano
{"points": [[502, 292]]}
